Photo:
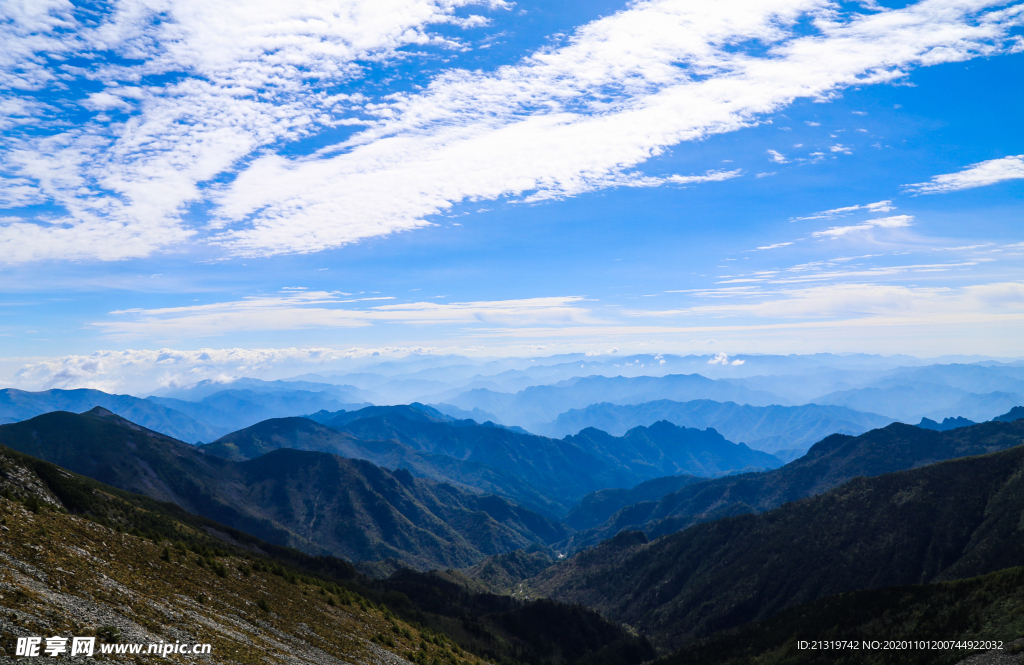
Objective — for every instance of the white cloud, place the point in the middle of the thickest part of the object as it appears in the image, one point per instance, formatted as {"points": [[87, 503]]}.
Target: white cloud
{"points": [[243, 75], [561, 122], [777, 157], [297, 310], [145, 369], [723, 359], [776, 245], [894, 222], [977, 175]]}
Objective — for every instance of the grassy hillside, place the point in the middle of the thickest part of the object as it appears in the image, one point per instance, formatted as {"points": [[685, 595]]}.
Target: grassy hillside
{"points": [[82, 558]]}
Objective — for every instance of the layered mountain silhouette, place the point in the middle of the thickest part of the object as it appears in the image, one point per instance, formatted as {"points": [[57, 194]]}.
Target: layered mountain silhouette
{"points": [[235, 408], [17, 405], [829, 463], [317, 502], [214, 415], [307, 434], [946, 424], [768, 428], [945, 521], [536, 406]]}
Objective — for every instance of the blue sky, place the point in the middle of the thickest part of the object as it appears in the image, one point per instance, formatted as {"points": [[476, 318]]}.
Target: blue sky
{"points": [[499, 178]]}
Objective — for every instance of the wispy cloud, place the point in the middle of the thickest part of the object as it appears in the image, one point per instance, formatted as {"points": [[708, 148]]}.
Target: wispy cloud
{"points": [[876, 207], [246, 79], [977, 175], [893, 222], [297, 310], [863, 299]]}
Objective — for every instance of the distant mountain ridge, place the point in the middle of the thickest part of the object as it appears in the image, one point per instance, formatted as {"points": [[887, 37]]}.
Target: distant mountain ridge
{"points": [[946, 424], [316, 502], [18, 405], [564, 470], [232, 409], [769, 428], [535, 406]]}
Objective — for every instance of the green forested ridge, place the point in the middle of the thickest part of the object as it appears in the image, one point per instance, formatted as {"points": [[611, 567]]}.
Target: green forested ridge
{"points": [[954, 519], [321, 503], [830, 462], [595, 508]]}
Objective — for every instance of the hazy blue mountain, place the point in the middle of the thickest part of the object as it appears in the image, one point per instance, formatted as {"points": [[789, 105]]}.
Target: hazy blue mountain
{"points": [[196, 392], [18, 405], [769, 428], [535, 406], [317, 502], [230, 410], [946, 424], [952, 520], [979, 378], [934, 392], [306, 434], [478, 415], [829, 463], [1016, 413]]}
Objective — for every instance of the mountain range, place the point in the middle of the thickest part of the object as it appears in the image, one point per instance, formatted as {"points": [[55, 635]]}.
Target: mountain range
{"points": [[949, 520], [317, 502], [17, 405], [215, 414], [772, 429], [829, 463], [533, 407], [526, 468], [82, 558]]}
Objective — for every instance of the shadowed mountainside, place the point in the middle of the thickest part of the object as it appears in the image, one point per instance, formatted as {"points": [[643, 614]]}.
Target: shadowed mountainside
{"points": [[829, 463], [950, 520], [597, 507], [306, 434]]}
